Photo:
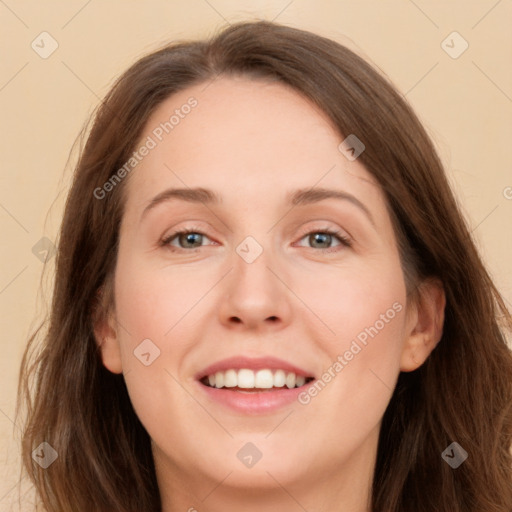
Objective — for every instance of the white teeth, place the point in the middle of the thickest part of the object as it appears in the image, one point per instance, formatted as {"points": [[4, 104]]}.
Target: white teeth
{"points": [[279, 379], [230, 379], [290, 380], [219, 379], [264, 379], [260, 379], [245, 379]]}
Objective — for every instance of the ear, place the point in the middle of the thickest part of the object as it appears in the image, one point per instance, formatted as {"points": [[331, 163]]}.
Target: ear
{"points": [[424, 325], [105, 333]]}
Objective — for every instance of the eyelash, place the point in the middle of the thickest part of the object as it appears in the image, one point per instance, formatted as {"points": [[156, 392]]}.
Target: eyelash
{"points": [[337, 234]]}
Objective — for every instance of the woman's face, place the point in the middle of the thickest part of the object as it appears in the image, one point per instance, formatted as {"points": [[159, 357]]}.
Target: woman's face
{"points": [[259, 277]]}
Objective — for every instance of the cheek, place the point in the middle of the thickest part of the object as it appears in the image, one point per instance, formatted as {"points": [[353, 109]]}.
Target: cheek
{"points": [[151, 308], [358, 377], [356, 301], [365, 314], [156, 303], [158, 310]]}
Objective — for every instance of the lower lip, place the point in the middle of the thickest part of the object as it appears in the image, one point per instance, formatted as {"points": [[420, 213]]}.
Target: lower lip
{"points": [[254, 402]]}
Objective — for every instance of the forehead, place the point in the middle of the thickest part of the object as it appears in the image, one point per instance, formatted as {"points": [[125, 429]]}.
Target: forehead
{"points": [[253, 141]]}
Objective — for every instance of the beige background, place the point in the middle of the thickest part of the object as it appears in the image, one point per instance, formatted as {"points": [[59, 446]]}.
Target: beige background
{"points": [[465, 103]]}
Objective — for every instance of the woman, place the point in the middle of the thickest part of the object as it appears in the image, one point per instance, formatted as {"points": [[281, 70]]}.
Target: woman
{"points": [[256, 370]]}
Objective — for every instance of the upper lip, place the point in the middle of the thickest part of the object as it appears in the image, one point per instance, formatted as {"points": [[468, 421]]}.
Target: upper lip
{"points": [[252, 363]]}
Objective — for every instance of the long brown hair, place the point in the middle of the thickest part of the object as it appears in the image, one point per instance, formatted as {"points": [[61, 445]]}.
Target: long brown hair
{"points": [[462, 393]]}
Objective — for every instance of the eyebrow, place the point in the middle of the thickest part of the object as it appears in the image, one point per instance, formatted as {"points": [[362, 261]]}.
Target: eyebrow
{"points": [[299, 197]]}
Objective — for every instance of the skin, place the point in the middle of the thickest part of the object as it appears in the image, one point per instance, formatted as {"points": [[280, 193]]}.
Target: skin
{"points": [[303, 300]]}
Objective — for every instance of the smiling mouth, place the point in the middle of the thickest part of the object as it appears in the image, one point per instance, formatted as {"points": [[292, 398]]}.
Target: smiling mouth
{"points": [[249, 381]]}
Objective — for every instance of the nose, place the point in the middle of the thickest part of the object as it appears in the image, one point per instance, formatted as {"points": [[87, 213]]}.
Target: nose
{"points": [[255, 296]]}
